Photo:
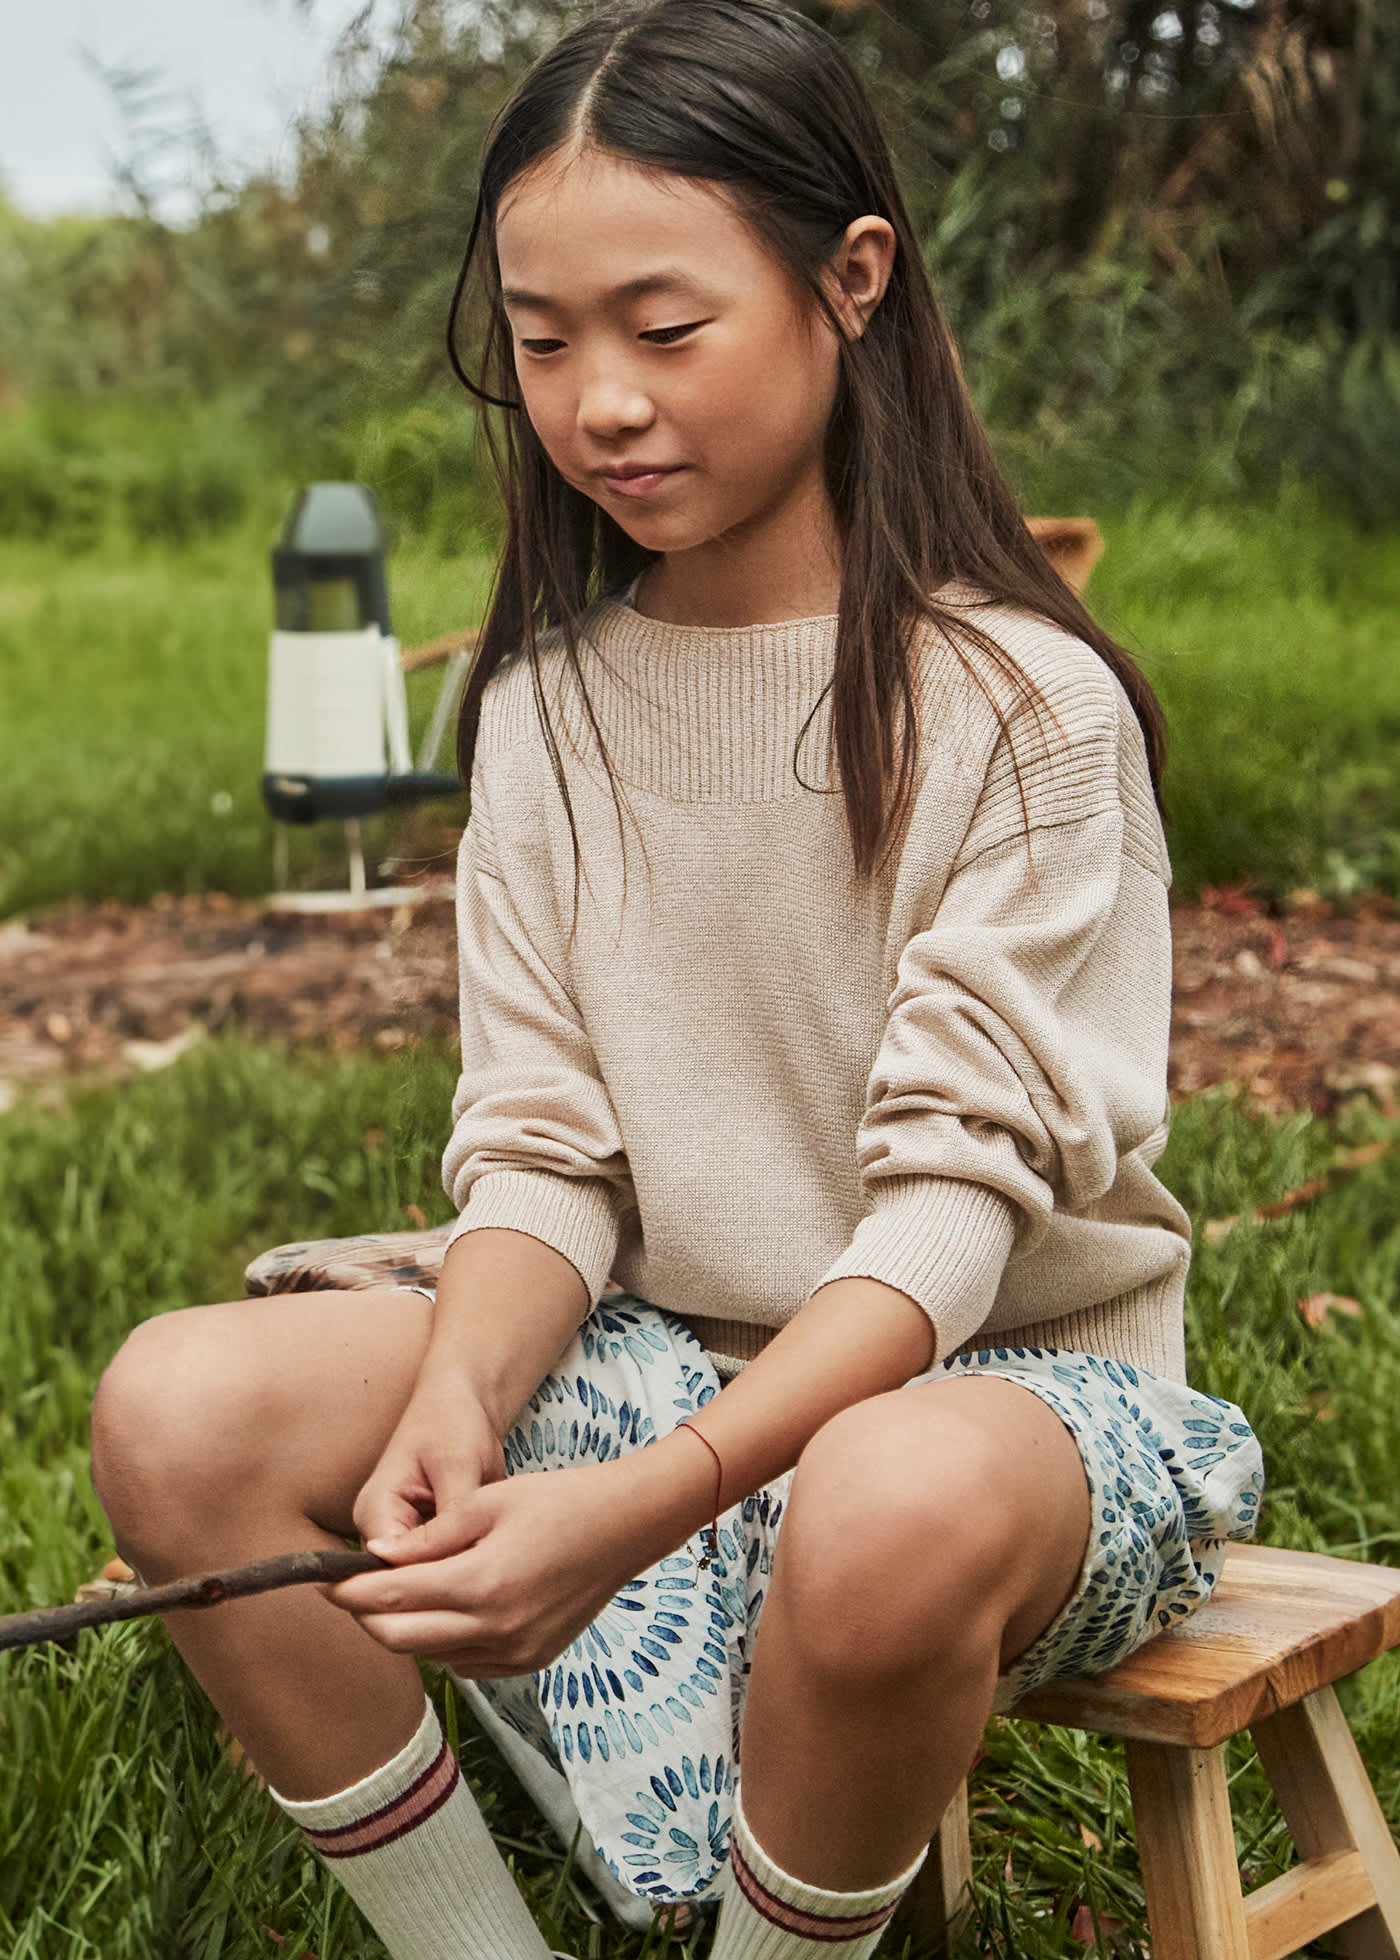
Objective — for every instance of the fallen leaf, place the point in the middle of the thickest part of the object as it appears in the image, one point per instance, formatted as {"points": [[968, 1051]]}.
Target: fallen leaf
{"points": [[1279, 951], [1086, 1836], [1089, 1927], [416, 1217], [58, 1028], [1236, 901], [1317, 1306], [1301, 1194], [1216, 1229]]}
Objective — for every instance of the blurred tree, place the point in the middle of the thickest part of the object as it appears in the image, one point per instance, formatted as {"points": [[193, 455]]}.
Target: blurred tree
{"points": [[1186, 210]]}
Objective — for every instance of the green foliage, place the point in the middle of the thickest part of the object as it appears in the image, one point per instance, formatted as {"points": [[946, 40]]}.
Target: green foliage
{"points": [[1269, 635], [1166, 235], [75, 474], [125, 1830]]}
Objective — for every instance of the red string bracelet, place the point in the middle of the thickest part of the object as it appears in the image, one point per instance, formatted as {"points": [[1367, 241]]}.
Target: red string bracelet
{"points": [[713, 1552]]}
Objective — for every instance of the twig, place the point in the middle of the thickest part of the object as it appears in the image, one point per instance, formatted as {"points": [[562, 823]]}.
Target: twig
{"points": [[204, 1589]]}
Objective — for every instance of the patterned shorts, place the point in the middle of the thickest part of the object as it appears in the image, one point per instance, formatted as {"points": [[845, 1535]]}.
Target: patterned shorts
{"points": [[643, 1712]]}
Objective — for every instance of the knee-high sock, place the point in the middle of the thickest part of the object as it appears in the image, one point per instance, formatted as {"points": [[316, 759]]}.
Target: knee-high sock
{"points": [[768, 1914], [410, 1847]]}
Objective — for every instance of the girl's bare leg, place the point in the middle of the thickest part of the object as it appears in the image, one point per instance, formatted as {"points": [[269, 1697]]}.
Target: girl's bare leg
{"points": [[933, 1535], [233, 1432]]}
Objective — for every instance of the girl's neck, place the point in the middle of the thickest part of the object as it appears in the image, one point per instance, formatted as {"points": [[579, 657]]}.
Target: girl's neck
{"points": [[739, 580]]}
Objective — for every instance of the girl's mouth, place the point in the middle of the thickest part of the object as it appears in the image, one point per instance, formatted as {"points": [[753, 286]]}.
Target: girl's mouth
{"points": [[639, 485]]}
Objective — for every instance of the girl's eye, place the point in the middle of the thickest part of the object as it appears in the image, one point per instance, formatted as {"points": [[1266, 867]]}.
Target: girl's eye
{"points": [[541, 346], [667, 336]]}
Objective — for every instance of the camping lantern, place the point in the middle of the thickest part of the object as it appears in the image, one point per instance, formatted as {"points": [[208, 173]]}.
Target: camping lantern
{"points": [[337, 714]]}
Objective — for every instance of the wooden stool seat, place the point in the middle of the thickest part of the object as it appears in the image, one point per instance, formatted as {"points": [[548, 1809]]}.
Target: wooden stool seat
{"points": [[1261, 1655], [1278, 1626]]}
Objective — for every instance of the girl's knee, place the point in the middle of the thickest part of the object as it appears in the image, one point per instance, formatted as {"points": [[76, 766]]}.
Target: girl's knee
{"points": [[170, 1419], [883, 1462], [893, 1548]]}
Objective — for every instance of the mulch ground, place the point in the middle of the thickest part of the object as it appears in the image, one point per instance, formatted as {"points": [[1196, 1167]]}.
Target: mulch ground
{"points": [[1302, 1008]]}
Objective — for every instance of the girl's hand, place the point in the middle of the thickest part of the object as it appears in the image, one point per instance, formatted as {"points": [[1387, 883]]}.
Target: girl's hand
{"points": [[416, 1505], [546, 1554]]}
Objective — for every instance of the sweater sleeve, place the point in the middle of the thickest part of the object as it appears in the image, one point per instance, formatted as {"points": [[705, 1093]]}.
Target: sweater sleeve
{"points": [[1024, 1053], [535, 1144]]}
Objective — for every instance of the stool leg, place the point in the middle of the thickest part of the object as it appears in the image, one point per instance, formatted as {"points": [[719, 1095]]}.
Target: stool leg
{"points": [[941, 1896], [1311, 1759], [1186, 1847]]}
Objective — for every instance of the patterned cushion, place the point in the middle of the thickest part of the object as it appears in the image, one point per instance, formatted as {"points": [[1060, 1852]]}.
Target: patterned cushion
{"points": [[378, 1259]]}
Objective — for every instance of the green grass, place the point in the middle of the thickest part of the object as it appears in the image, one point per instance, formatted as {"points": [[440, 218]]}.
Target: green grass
{"points": [[133, 679], [124, 1832], [1270, 634]]}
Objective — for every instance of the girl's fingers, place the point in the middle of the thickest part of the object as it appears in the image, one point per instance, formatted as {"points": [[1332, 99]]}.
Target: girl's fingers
{"points": [[383, 1515], [416, 1585], [432, 1633], [421, 1541]]}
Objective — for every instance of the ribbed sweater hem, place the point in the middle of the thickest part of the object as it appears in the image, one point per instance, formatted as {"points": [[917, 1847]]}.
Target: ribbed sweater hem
{"points": [[942, 1242], [573, 1215], [1142, 1328]]}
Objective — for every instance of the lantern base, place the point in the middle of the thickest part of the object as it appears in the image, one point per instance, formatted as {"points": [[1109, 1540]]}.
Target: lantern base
{"points": [[309, 799], [379, 898]]}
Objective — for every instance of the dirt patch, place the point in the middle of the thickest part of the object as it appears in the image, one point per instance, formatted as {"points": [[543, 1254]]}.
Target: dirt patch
{"points": [[116, 988], [1299, 1009]]}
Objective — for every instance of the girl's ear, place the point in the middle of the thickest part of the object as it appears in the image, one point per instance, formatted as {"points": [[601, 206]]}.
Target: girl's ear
{"points": [[858, 271]]}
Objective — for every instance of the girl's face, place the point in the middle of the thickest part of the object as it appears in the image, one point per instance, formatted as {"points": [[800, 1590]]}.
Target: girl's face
{"points": [[674, 371]]}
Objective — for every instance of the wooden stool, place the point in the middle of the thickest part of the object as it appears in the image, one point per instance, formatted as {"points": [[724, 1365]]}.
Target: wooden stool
{"points": [[1261, 1655]]}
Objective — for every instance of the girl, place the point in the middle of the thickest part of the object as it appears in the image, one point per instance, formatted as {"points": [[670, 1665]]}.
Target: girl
{"points": [[814, 969]]}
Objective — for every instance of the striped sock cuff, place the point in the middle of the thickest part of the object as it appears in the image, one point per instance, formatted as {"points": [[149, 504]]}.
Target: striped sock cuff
{"points": [[808, 1912], [385, 1805]]}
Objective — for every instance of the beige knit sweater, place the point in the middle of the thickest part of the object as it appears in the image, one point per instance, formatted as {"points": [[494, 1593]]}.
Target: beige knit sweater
{"points": [[745, 1072]]}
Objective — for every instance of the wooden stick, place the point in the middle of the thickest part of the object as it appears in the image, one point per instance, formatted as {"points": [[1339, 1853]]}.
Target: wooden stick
{"points": [[204, 1589]]}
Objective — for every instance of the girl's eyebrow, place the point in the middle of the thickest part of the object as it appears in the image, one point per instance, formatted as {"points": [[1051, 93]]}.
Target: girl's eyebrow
{"points": [[667, 280]]}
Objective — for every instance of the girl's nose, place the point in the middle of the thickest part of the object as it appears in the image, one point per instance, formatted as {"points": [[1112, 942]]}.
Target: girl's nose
{"points": [[609, 404]]}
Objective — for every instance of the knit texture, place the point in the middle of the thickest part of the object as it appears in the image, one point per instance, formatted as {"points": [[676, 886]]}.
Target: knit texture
{"points": [[726, 1070], [410, 1847], [768, 1914]]}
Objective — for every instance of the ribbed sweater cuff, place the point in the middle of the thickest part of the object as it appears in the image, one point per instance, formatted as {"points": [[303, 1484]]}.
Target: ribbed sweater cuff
{"points": [[943, 1241], [573, 1215]]}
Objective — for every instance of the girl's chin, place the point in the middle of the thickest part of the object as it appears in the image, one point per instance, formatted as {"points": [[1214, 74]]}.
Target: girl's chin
{"points": [[658, 533]]}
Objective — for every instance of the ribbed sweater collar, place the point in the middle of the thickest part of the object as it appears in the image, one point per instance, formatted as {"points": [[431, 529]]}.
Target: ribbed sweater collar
{"points": [[707, 714]]}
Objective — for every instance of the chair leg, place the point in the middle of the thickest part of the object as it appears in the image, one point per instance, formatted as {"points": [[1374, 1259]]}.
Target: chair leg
{"points": [[1186, 1846], [1311, 1759], [940, 1898]]}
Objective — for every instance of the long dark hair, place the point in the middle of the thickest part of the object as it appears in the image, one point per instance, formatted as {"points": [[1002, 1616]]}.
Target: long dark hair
{"points": [[753, 96]]}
